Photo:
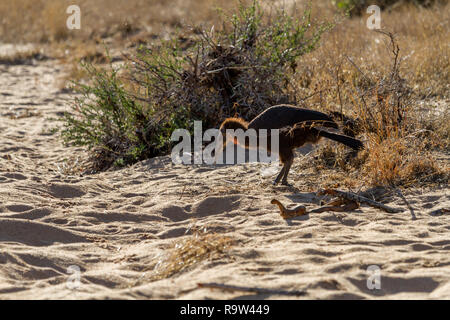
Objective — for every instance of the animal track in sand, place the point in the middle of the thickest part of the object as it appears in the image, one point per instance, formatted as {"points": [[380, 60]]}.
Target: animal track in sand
{"points": [[62, 191], [19, 207], [49, 221], [393, 285], [35, 233], [173, 233], [328, 284], [172, 212], [215, 205], [107, 217], [33, 214], [339, 268], [15, 176], [421, 247]]}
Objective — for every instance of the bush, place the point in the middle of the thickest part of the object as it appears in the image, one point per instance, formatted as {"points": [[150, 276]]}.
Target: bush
{"points": [[240, 69], [107, 120], [384, 97]]}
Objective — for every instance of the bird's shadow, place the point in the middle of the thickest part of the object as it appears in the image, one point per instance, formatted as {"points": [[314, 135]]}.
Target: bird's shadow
{"points": [[286, 187], [297, 220]]}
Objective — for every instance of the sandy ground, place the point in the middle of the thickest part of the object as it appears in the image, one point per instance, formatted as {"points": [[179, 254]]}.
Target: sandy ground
{"points": [[119, 228]]}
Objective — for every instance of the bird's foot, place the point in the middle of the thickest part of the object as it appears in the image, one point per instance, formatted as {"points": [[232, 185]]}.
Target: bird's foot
{"points": [[284, 183]]}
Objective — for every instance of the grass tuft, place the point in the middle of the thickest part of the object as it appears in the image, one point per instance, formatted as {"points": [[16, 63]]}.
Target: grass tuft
{"points": [[190, 251]]}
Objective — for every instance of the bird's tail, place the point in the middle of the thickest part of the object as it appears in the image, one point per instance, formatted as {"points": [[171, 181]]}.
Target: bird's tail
{"points": [[321, 123], [348, 141]]}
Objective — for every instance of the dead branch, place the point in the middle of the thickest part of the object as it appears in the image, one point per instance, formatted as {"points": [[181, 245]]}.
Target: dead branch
{"points": [[411, 209], [395, 51], [359, 199], [338, 205]]}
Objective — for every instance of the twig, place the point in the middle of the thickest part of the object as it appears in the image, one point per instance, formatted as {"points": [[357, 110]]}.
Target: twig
{"points": [[311, 95], [354, 64], [395, 50], [233, 68], [257, 290]]}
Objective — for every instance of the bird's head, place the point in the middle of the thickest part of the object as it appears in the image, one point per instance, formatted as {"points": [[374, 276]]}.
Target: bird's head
{"points": [[232, 124]]}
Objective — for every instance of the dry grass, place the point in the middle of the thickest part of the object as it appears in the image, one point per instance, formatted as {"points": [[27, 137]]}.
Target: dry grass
{"points": [[46, 19], [334, 79], [116, 24], [424, 50], [421, 33], [350, 73], [189, 251], [395, 162]]}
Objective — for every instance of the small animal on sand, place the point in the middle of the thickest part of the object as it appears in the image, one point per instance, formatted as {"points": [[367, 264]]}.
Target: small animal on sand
{"points": [[289, 213], [297, 127]]}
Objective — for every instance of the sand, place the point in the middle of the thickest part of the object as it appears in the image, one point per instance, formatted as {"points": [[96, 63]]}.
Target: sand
{"points": [[120, 228]]}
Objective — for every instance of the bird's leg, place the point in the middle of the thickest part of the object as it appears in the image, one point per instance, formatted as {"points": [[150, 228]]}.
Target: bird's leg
{"points": [[277, 179], [287, 167], [221, 152]]}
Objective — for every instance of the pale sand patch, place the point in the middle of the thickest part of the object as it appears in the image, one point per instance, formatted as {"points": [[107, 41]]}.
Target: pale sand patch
{"points": [[118, 227]]}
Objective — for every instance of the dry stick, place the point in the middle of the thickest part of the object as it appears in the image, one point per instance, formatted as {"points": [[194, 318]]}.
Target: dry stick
{"points": [[360, 199], [233, 68], [351, 205], [411, 209], [357, 68], [257, 290], [395, 50], [313, 94]]}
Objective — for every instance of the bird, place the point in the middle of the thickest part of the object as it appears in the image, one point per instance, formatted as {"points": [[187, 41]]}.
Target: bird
{"points": [[296, 125]]}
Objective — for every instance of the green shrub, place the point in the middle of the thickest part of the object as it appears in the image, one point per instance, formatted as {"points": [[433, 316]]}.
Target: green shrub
{"points": [[106, 119]]}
